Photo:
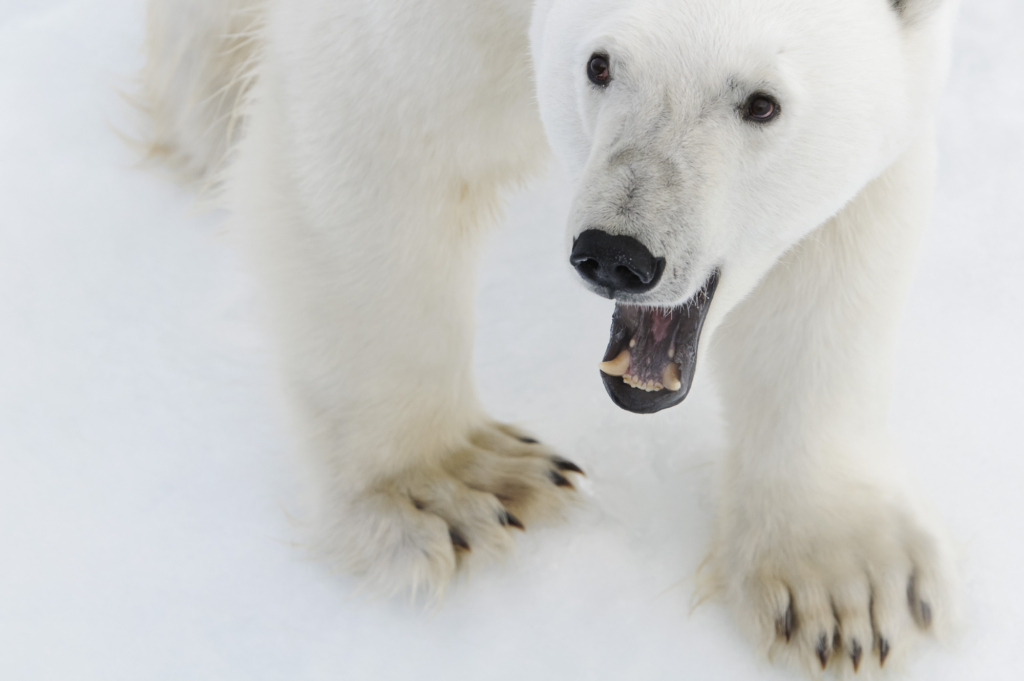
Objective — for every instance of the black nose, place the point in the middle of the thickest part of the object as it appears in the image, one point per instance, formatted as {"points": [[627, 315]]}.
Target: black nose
{"points": [[618, 264]]}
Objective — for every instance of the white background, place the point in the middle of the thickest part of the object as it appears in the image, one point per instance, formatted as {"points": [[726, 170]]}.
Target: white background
{"points": [[146, 482]]}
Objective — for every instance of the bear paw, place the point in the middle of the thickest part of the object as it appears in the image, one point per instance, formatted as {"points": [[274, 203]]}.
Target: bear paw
{"points": [[846, 590], [417, 530]]}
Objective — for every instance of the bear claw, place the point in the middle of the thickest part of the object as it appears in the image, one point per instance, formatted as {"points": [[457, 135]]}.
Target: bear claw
{"points": [[823, 650], [509, 520], [566, 465], [560, 479], [458, 541], [855, 654], [785, 624]]}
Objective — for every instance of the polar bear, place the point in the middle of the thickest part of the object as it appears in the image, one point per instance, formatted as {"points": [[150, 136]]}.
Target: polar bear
{"points": [[756, 172]]}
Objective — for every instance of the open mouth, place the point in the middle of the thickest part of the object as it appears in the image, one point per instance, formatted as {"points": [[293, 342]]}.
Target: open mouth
{"points": [[652, 352]]}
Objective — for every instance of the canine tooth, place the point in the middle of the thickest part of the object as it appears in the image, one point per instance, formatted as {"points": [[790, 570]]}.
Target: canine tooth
{"points": [[670, 377], [617, 366], [632, 342]]}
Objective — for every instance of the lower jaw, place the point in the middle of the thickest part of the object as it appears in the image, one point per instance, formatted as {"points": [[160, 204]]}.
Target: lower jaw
{"points": [[640, 401]]}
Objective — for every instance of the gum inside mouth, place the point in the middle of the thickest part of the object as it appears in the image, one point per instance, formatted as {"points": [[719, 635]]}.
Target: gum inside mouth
{"points": [[652, 353]]}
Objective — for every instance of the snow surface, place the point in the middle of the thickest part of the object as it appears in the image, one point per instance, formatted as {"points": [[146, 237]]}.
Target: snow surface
{"points": [[145, 476]]}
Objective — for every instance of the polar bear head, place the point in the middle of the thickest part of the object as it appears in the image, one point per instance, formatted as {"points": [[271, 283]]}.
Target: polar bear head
{"points": [[706, 138]]}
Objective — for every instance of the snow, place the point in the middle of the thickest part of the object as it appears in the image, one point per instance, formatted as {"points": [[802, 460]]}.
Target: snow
{"points": [[147, 488]]}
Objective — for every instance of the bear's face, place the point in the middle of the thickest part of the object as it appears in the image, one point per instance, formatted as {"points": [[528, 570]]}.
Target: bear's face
{"points": [[717, 134]]}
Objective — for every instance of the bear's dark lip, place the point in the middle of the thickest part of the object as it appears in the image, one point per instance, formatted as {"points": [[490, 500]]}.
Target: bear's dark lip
{"points": [[688, 321]]}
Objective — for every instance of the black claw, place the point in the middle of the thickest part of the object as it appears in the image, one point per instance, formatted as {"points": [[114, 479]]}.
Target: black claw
{"points": [[457, 540], [528, 440], [560, 480], [921, 609], [883, 651], [926, 614], [784, 625], [823, 650], [566, 465], [507, 519], [855, 654]]}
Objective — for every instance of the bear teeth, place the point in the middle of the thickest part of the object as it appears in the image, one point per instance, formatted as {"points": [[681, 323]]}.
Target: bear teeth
{"points": [[620, 366], [670, 377], [617, 366], [649, 386]]}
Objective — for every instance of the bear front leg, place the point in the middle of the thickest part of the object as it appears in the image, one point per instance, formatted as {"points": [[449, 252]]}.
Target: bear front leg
{"points": [[821, 550], [364, 227], [374, 323]]}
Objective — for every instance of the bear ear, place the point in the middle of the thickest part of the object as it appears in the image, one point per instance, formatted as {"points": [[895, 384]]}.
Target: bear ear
{"points": [[913, 11]]}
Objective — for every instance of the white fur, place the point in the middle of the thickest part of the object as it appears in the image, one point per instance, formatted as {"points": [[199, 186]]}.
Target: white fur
{"points": [[380, 139], [200, 60]]}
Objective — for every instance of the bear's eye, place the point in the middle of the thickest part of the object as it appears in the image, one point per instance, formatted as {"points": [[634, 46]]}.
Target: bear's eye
{"points": [[598, 70], [760, 108]]}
